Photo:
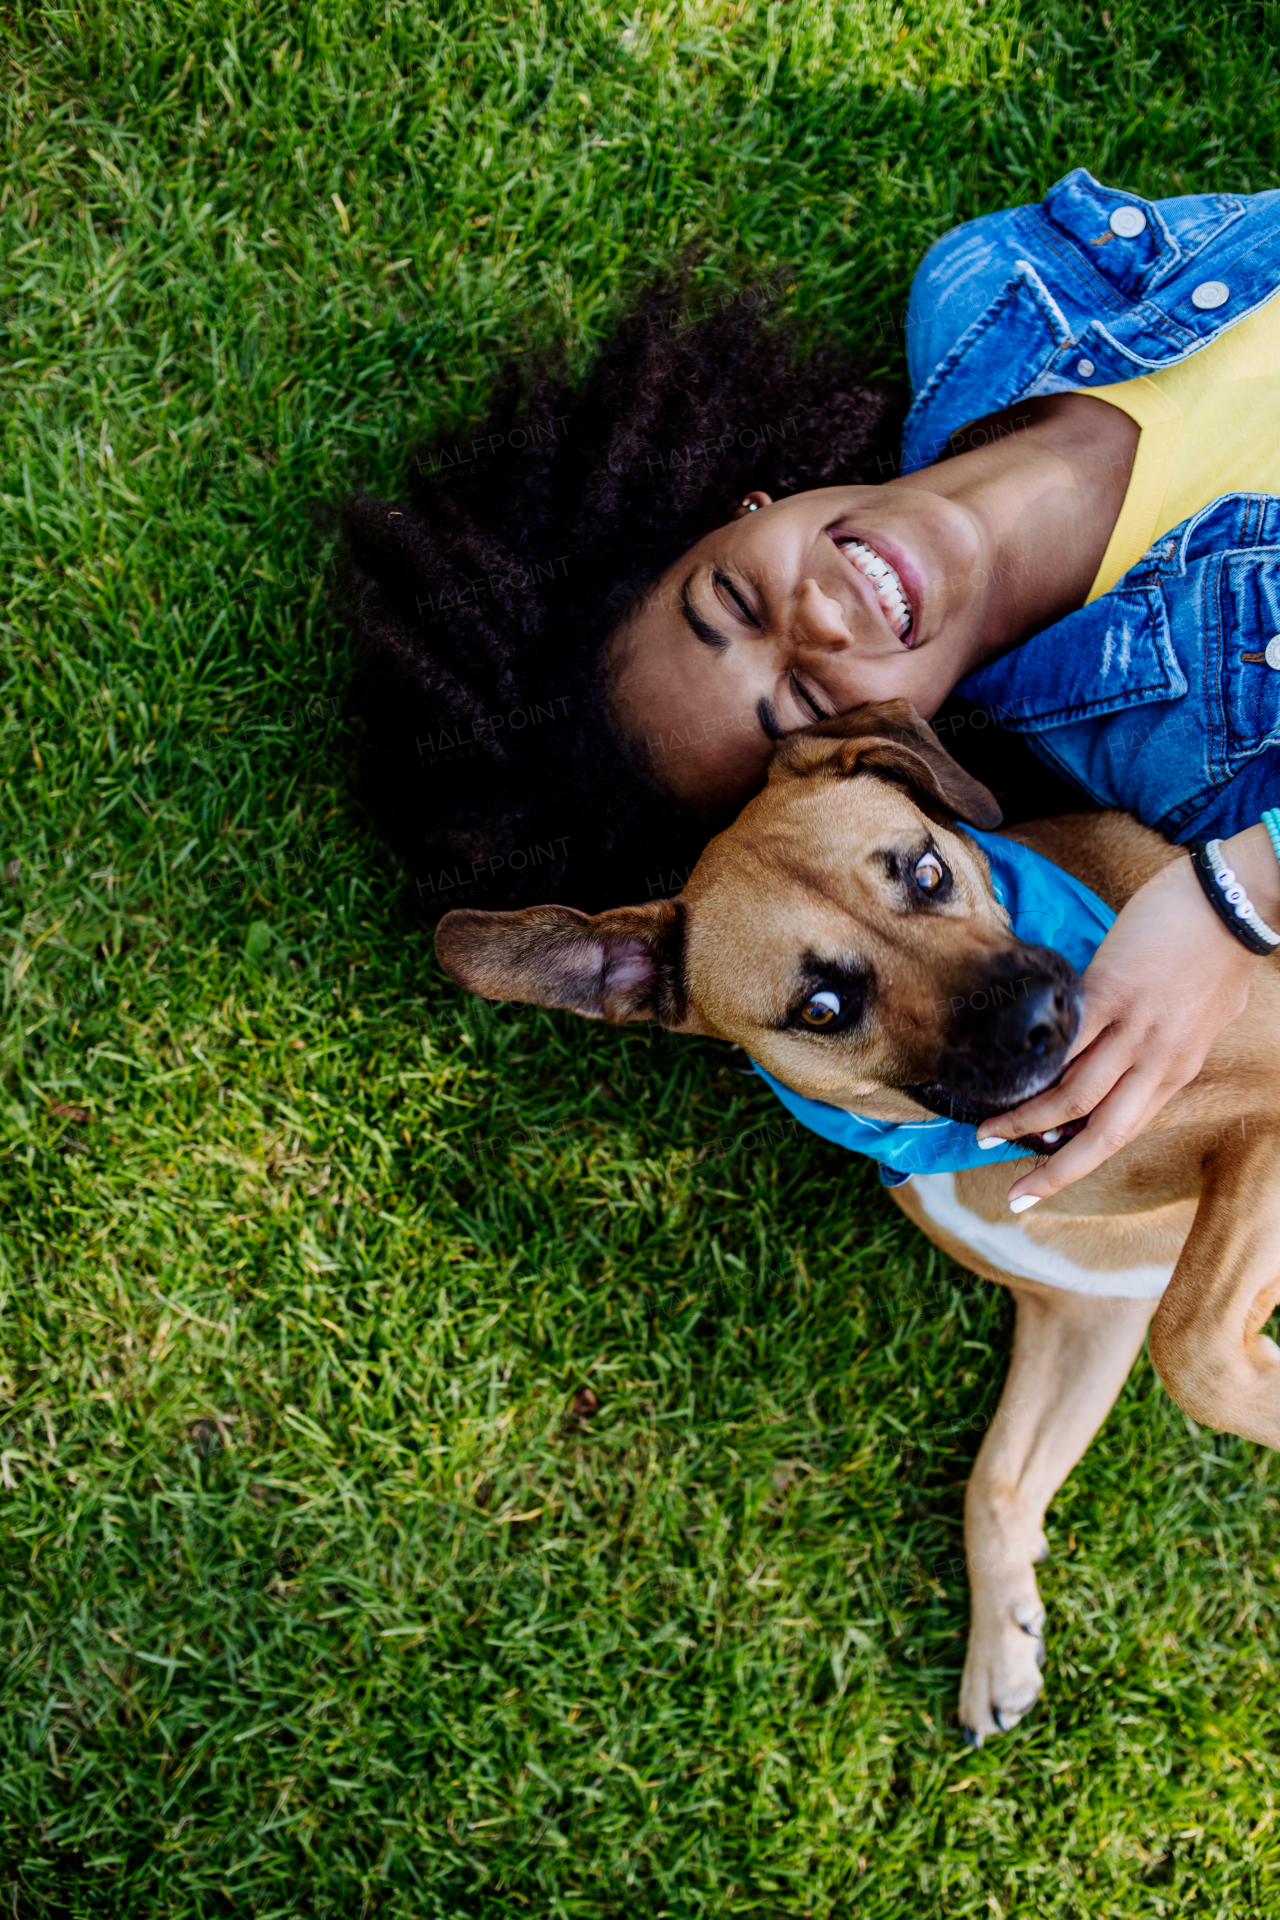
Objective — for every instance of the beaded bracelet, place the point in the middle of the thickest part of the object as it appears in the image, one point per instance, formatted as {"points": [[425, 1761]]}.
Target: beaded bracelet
{"points": [[1271, 821], [1228, 898]]}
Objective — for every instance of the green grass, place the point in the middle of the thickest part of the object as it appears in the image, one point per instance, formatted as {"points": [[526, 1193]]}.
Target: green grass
{"points": [[320, 1598]]}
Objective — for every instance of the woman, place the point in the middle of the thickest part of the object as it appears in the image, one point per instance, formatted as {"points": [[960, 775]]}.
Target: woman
{"points": [[1092, 561]]}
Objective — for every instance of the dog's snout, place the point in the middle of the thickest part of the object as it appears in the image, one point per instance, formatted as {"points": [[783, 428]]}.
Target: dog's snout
{"points": [[1035, 1018], [1009, 1034]]}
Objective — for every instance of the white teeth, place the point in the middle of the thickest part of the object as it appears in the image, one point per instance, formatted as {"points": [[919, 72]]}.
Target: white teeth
{"points": [[888, 586]]}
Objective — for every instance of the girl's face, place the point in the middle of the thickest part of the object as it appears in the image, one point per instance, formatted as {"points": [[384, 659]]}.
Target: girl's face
{"points": [[802, 608]]}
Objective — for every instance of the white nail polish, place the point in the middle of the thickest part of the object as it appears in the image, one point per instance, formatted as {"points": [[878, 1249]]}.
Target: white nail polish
{"points": [[1023, 1201], [991, 1140]]}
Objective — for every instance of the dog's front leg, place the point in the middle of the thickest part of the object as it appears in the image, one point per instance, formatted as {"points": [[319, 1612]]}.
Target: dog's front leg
{"points": [[1071, 1355], [1207, 1341]]}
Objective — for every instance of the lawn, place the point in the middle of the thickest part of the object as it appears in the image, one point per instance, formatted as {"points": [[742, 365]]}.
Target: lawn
{"points": [[457, 1461]]}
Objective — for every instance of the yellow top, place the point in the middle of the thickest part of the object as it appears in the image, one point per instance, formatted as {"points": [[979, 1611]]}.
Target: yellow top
{"points": [[1210, 425]]}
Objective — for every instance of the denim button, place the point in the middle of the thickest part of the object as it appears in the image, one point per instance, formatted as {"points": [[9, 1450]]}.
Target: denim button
{"points": [[1210, 293], [1085, 369], [1272, 654], [1128, 222]]}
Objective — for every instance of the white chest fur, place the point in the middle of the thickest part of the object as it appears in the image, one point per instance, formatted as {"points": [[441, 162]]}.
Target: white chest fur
{"points": [[1010, 1247]]}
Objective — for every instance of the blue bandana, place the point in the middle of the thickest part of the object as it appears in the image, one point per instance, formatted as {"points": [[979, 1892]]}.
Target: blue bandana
{"points": [[1048, 909]]}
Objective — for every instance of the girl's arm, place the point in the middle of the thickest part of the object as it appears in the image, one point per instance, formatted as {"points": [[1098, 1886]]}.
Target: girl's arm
{"points": [[1165, 981]]}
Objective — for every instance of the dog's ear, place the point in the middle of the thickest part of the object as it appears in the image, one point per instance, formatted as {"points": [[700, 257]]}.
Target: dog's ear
{"points": [[887, 737], [626, 964]]}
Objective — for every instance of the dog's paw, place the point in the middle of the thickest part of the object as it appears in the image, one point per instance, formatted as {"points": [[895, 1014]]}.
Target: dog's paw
{"points": [[1002, 1678]]}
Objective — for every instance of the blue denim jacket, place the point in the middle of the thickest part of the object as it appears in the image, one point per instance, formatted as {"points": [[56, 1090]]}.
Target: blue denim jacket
{"points": [[1143, 698]]}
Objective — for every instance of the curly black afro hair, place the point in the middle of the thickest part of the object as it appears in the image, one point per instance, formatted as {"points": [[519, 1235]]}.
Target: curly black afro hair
{"points": [[482, 602]]}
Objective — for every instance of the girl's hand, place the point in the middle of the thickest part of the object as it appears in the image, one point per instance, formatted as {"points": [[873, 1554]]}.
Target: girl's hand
{"points": [[1163, 984]]}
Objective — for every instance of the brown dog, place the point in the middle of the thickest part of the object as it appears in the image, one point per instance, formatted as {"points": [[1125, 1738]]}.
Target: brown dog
{"points": [[846, 934]]}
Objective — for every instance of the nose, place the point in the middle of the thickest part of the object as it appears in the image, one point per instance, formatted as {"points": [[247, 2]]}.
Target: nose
{"points": [[817, 620], [1038, 1019], [1010, 1032]]}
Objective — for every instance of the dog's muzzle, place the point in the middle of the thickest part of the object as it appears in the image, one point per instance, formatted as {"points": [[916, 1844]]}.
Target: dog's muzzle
{"points": [[1009, 1038]]}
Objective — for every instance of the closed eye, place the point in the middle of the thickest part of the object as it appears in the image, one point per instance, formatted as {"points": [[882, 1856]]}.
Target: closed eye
{"points": [[803, 694], [722, 581]]}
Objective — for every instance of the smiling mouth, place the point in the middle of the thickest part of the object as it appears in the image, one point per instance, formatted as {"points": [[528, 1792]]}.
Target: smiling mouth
{"points": [[884, 580]]}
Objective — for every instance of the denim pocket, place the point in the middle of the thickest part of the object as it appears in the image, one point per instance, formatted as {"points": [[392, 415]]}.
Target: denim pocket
{"points": [[1244, 692]]}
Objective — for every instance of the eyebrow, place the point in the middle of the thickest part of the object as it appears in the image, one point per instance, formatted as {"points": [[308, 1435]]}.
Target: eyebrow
{"points": [[709, 635]]}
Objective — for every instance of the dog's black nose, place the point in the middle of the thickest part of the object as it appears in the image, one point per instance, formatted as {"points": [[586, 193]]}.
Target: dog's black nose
{"points": [[1037, 1019], [1008, 1036]]}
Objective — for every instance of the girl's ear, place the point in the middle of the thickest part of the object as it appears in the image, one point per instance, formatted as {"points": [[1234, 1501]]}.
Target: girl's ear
{"points": [[756, 499], [623, 965]]}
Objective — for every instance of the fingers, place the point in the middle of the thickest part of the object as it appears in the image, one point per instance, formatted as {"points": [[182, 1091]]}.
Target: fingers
{"points": [[1119, 1094], [1165, 981], [1103, 1051], [1116, 1121], [1088, 1079], [1154, 1066]]}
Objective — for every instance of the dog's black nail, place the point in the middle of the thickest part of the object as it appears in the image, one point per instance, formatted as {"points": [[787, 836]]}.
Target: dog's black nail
{"points": [[971, 1739], [998, 1717]]}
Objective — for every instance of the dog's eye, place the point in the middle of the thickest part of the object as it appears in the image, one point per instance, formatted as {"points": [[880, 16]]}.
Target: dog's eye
{"points": [[929, 872], [832, 1009]]}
